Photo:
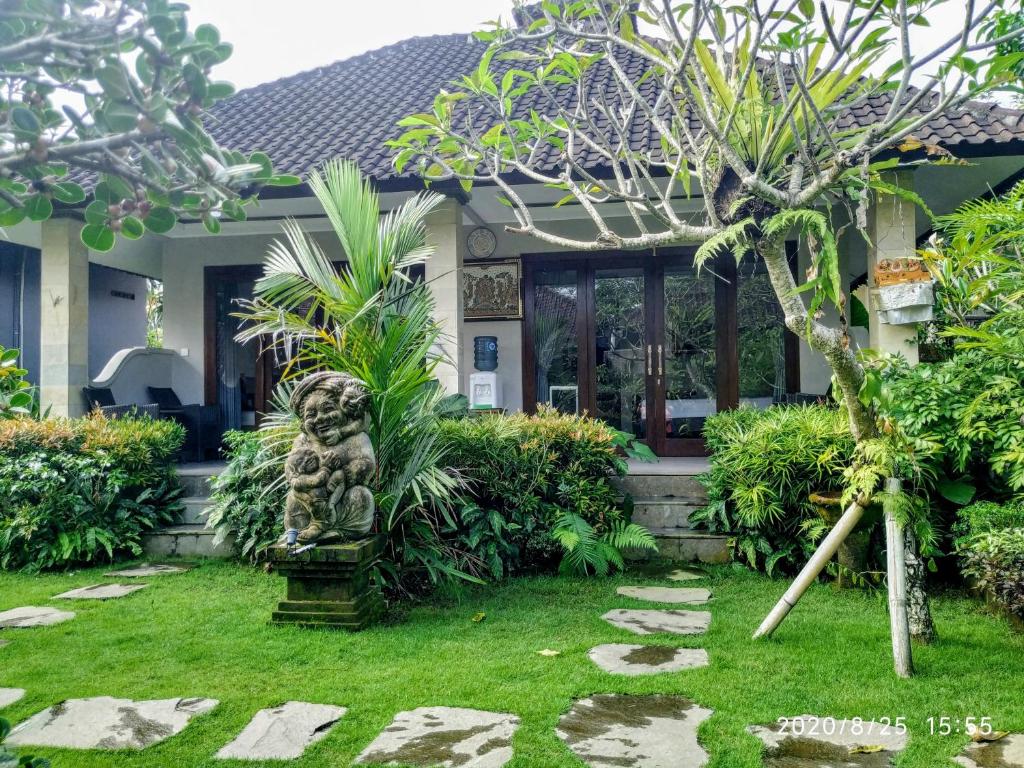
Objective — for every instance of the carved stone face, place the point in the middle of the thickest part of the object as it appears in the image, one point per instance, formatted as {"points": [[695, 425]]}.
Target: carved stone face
{"points": [[322, 417]]}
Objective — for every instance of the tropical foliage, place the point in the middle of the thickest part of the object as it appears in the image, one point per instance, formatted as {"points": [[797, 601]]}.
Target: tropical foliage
{"points": [[15, 392], [119, 89], [764, 467], [538, 494], [373, 320], [83, 491]]}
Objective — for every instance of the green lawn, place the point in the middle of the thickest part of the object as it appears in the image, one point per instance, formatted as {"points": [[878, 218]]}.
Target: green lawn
{"points": [[205, 633]]}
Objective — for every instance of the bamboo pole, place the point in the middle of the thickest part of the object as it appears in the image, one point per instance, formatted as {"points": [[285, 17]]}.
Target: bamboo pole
{"points": [[899, 624], [814, 566]]}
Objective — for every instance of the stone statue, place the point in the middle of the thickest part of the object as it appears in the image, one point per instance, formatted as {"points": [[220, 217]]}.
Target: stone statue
{"points": [[331, 463]]}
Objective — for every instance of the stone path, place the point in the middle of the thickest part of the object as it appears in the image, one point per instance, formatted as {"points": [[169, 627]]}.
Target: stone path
{"points": [[643, 622], [31, 616], [445, 736], [10, 695], [284, 732], [676, 595], [107, 723], [684, 574], [635, 660], [144, 570], [1007, 752], [612, 731], [815, 742], [100, 592]]}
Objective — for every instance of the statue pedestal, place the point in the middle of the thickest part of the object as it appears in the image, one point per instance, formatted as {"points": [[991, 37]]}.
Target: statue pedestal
{"points": [[329, 585]]}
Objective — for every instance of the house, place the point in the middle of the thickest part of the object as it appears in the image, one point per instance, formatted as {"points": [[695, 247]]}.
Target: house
{"points": [[117, 307], [639, 339]]}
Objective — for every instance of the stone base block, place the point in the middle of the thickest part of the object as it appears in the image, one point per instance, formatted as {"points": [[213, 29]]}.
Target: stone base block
{"points": [[329, 585]]}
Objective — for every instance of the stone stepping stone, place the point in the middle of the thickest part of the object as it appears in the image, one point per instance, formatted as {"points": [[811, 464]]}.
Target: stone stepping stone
{"points": [[684, 574], [30, 616], [144, 570], [1007, 752], [635, 660], [100, 592], [282, 733], [612, 731], [444, 736], [108, 723], [10, 695], [808, 741], [675, 595], [641, 622]]}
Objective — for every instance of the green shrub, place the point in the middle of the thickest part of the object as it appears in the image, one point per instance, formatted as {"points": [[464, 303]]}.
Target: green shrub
{"points": [[764, 466], [85, 490], [986, 517], [248, 496], [970, 408], [15, 391], [995, 560], [538, 492]]}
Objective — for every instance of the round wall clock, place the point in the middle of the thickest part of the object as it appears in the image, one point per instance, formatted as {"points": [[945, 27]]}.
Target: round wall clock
{"points": [[481, 242]]}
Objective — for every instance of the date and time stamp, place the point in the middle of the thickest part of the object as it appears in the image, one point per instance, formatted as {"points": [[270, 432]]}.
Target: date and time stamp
{"points": [[935, 725]]}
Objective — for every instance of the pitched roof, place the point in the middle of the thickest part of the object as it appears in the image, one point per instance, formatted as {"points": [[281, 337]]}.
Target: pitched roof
{"points": [[350, 109]]}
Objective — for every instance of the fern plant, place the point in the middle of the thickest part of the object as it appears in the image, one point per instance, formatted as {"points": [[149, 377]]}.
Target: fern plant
{"points": [[589, 552]]}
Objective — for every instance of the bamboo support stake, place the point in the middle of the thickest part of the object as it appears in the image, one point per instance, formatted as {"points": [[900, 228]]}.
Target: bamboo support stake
{"points": [[814, 566], [899, 624]]}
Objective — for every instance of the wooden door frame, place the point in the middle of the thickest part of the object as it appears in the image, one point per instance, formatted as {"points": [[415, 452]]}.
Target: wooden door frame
{"points": [[653, 263], [212, 278]]}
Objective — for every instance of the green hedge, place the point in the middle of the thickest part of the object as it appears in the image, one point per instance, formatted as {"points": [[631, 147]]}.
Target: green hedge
{"points": [[83, 491]]}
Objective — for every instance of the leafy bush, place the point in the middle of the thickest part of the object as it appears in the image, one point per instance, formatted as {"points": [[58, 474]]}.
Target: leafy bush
{"points": [[85, 490], [15, 392], [971, 408], [995, 560], [764, 466], [248, 496], [986, 517], [538, 481]]}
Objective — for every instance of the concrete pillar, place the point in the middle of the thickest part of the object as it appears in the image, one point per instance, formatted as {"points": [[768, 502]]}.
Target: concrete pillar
{"points": [[893, 234], [444, 278], [64, 318]]}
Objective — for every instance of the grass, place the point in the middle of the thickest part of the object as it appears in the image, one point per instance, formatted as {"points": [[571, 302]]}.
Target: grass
{"points": [[205, 633]]}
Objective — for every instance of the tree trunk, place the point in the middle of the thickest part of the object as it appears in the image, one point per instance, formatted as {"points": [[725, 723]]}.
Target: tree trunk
{"points": [[834, 344], [919, 614]]}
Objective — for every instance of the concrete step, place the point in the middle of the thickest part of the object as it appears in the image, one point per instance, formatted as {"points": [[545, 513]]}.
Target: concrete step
{"points": [[195, 478], [661, 486], [666, 512], [686, 545], [185, 541], [196, 511]]}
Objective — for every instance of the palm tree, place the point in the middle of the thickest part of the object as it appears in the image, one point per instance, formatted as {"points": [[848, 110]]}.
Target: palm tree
{"points": [[372, 320]]}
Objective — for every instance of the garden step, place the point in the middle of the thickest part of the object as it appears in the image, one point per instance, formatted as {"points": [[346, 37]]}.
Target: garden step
{"points": [[185, 541], [662, 486], [664, 512], [196, 509], [685, 544], [195, 478]]}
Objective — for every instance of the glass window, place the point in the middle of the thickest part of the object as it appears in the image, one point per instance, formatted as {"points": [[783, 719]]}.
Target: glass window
{"points": [[762, 346], [554, 339], [689, 357]]}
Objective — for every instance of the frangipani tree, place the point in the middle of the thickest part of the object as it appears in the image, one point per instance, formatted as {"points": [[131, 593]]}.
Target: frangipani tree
{"points": [[750, 102]]}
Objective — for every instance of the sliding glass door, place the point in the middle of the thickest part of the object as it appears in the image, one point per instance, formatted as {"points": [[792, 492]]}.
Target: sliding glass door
{"points": [[651, 345]]}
